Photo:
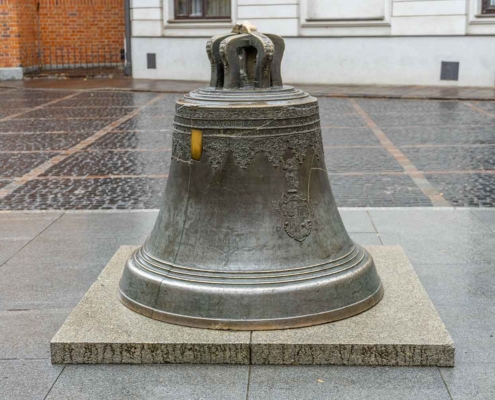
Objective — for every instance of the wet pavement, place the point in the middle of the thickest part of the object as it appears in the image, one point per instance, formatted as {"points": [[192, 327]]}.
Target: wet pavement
{"points": [[69, 149], [171, 86]]}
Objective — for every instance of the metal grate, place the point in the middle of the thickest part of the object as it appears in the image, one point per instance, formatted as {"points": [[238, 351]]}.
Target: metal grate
{"points": [[151, 60], [72, 57], [449, 71]]}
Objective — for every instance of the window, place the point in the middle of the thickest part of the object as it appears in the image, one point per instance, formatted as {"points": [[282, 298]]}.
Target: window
{"points": [[488, 7], [203, 9]]}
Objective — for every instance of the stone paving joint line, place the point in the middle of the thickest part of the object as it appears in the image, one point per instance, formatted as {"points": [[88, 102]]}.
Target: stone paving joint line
{"points": [[40, 106], [417, 176], [18, 182]]}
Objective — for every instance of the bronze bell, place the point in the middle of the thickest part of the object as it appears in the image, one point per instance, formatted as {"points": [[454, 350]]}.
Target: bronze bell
{"points": [[248, 236]]}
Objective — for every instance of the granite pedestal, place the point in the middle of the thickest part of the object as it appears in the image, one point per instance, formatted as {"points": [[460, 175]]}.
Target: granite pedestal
{"points": [[404, 329]]}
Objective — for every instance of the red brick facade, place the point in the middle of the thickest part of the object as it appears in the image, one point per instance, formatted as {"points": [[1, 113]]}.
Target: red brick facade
{"points": [[17, 26], [27, 25]]}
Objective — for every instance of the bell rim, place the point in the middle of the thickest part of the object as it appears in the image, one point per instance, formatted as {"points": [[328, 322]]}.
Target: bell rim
{"points": [[176, 301], [294, 322]]}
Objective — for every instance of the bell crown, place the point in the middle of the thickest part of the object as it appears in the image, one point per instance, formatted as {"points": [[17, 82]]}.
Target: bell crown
{"points": [[245, 59]]}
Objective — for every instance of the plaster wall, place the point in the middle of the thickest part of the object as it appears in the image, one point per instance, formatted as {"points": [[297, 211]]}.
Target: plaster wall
{"points": [[345, 9], [155, 18], [394, 61], [332, 41], [147, 18]]}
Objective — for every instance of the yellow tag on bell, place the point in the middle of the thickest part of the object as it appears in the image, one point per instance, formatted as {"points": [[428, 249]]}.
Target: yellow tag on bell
{"points": [[196, 144]]}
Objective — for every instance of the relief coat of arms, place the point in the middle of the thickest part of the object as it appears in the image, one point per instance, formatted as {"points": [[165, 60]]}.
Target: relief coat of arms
{"points": [[295, 215], [294, 210]]}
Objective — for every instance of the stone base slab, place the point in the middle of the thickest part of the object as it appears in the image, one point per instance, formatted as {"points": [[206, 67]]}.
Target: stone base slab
{"points": [[404, 329], [11, 74]]}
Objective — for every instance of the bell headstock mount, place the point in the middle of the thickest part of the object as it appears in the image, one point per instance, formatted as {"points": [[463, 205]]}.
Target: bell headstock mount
{"points": [[245, 59]]}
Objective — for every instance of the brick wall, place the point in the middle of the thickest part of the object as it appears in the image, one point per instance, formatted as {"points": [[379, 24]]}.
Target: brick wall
{"points": [[97, 23], [9, 54], [27, 24], [79, 26], [17, 26]]}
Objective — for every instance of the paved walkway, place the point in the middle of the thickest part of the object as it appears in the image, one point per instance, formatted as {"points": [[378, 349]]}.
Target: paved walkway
{"points": [[48, 260], [164, 86], [68, 149]]}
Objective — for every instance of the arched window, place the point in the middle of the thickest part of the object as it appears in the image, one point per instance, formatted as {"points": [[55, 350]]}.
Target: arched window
{"points": [[202, 9]]}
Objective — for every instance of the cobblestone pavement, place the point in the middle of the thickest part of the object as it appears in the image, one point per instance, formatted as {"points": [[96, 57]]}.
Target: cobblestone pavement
{"points": [[63, 149]]}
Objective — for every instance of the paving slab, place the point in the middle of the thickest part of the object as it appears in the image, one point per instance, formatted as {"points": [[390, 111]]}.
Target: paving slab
{"points": [[487, 217], [9, 247], [334, 382], [365, 239], [113, 223], [55, 249], [403, 329], [451, 285], [43, 285], [27, 379], [144, 382], [463, 296], [454, 247], [25, 225], [444, 221], [473, 329], [27, 333], [473, 381], [357, 221]]}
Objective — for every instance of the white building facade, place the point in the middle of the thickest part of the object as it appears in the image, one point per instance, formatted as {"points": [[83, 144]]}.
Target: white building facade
{"points": [[391, 42]]}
